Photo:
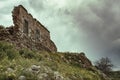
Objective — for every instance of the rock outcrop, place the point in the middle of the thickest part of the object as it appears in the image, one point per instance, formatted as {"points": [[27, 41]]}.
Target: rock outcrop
{"points": [[77, 59], [27, 32]]}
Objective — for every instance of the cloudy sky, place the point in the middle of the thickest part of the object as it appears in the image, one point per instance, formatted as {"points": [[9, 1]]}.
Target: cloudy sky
{"points": [[90, 26]]}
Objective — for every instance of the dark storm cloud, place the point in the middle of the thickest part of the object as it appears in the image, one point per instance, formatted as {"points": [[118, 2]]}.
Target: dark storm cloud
{"points": [[100, 21]]}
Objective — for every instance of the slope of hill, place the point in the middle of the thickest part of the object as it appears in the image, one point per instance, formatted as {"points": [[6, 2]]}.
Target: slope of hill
{"points": [[115, 75], [24, 64]]}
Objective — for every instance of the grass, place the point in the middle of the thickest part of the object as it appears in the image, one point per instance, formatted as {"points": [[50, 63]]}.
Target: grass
{"points": [[20, 60]]}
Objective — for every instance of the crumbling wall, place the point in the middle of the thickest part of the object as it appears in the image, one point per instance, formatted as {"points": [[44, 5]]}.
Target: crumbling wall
{"points": [[29, 32]]}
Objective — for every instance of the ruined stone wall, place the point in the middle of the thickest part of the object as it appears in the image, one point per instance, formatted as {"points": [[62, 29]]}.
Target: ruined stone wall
{"points": [[7, 34], [30, 32]]}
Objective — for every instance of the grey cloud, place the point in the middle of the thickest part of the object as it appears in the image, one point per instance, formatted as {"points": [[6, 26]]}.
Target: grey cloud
{"points": [[100, 20], [101, 23], [37, 5]]}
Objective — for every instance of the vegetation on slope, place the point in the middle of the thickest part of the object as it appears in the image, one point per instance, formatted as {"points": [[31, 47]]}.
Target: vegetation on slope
{"points": [[25, 64], [115, 75]]}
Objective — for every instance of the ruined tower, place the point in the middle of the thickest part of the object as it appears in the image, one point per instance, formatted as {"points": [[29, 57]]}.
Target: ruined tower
{"points": [[28, 32]]}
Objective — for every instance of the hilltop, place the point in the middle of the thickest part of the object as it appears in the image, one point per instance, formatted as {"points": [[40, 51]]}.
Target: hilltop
{"points": [[25, 64]]}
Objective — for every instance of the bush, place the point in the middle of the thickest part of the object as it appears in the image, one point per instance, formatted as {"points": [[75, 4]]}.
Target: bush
{"points": [[105, 65], [26, 53], [7, 50], [2, 55], [12, 54]]}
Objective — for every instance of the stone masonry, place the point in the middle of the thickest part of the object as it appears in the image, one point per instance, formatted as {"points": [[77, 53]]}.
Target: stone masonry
{"points": [[27, 32]]}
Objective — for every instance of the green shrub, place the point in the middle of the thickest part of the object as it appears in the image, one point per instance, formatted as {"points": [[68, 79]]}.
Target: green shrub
{"points": [[26, 53], [11, 53], [7, 50], [2, 55], [5, 45]]}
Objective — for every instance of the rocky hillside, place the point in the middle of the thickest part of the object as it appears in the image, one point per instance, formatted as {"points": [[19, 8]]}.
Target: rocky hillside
{"points": [[24, 64]]}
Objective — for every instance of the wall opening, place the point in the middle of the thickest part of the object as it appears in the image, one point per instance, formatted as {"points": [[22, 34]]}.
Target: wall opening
{"points": [[25, 27], [37, 34]]}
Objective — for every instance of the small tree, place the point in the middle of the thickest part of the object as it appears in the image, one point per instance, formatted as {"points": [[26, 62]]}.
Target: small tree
{"points": [[104, 64]]}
